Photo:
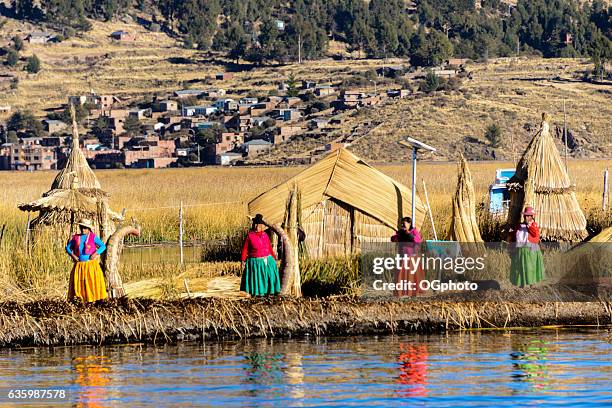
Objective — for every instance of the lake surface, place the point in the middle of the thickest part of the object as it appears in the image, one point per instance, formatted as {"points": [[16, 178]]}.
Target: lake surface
{"points": [[478, 368]]}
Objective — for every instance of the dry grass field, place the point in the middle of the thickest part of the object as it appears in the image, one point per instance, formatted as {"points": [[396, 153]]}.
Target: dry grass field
{"points": [[215, 209]]}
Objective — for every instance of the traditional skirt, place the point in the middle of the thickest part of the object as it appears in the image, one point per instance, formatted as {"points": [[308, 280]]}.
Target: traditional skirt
{"points": [[410, 281], [87, 282], [260, 277], [527, 266]]}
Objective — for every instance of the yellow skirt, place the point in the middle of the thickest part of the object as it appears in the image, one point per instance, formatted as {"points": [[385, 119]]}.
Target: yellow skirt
{"points": [[87, 282]]}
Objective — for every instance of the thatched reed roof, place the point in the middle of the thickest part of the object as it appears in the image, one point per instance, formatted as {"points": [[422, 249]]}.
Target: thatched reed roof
{"points": [[541, 181], [346, 178], [72, 193], [62, 200], [76, 164], [463, 225]]}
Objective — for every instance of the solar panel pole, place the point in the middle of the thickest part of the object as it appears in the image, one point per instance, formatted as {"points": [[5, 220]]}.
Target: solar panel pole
{"points": [[414, 164]]}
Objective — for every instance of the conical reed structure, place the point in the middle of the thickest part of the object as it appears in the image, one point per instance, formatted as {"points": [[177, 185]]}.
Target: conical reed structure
{"points": [[542, 182], [76, 175], [463, 226]]}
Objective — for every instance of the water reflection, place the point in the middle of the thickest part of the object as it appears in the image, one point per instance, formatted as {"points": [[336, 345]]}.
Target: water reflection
{"points": [[530, 364], [92, 376], [412, 370], [509, 368]]}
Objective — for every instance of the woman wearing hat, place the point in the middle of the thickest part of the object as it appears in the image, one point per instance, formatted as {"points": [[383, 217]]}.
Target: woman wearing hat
{"points": [[86, 278], [260, 275], [527, 265]]}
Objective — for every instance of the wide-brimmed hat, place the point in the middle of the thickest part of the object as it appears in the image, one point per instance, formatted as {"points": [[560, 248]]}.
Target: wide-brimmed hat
{"points": [[529, 211], [86, 222]]}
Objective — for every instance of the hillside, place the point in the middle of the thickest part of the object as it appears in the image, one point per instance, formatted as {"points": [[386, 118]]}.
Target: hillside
{"points": [[509, 92]]}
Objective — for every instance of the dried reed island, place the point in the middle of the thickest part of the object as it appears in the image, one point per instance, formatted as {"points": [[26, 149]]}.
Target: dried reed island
{"points": [[196, 144]]}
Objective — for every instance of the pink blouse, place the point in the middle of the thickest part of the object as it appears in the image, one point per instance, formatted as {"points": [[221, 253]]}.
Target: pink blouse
{"points": [[257, 245]]}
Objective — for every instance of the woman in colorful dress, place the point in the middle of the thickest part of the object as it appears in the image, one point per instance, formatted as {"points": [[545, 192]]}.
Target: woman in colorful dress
{"points": [[260, 276], [86, 279], [409, 240], [527, 264]]}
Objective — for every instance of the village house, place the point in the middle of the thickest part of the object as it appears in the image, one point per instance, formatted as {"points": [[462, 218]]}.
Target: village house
{"points": [[261, 120], [107, 159], [54, 126], [456, 63], [122, 35], [308, 84], [256, 147], [241, 123], [292, 101], [318, 123], [5, 156], [201, 110], [223, 76], [445, 73], [248, 101], [324, 90], [287, 131], [398, 93], [168, 105], [226, 142], [287, 115], [32, 156], [188, 93], [39, 37], [139, 114], [392, 71], [226, 104], [227, 158], [214, 93], [261, 107]]}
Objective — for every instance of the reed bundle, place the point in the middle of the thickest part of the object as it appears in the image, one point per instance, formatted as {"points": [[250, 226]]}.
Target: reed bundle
{"points": [[55, 323], [541, 181], [463, 226]]}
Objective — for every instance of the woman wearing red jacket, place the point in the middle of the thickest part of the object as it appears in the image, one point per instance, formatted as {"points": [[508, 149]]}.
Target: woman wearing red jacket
{"points": [[527, 265], [260, 275]]}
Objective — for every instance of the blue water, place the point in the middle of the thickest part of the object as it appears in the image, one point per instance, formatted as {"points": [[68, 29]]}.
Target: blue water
{"points": [[479, 368]]}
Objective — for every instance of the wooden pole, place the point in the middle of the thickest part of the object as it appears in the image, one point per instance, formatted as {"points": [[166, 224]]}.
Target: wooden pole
{"points": [[433, 226], [2, 233], [27, 234], [606, 194], [181, 233]]}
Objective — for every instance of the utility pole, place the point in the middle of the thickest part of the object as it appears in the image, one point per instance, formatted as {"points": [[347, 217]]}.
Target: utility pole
{"points": [[299, 48], [518, 47]]}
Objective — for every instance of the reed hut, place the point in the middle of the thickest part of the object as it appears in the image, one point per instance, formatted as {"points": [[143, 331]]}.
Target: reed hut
{"points": [[78, 182], [344, 203], [541, 181], [463, 225]]}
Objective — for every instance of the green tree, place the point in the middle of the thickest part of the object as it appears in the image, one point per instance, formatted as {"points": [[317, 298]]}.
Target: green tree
{"points": [[24, 122], [33, 64], [17, 43], [12, 58], [292, 88], [131, 124], [198, 19], [494, 135], [431, 83]]}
